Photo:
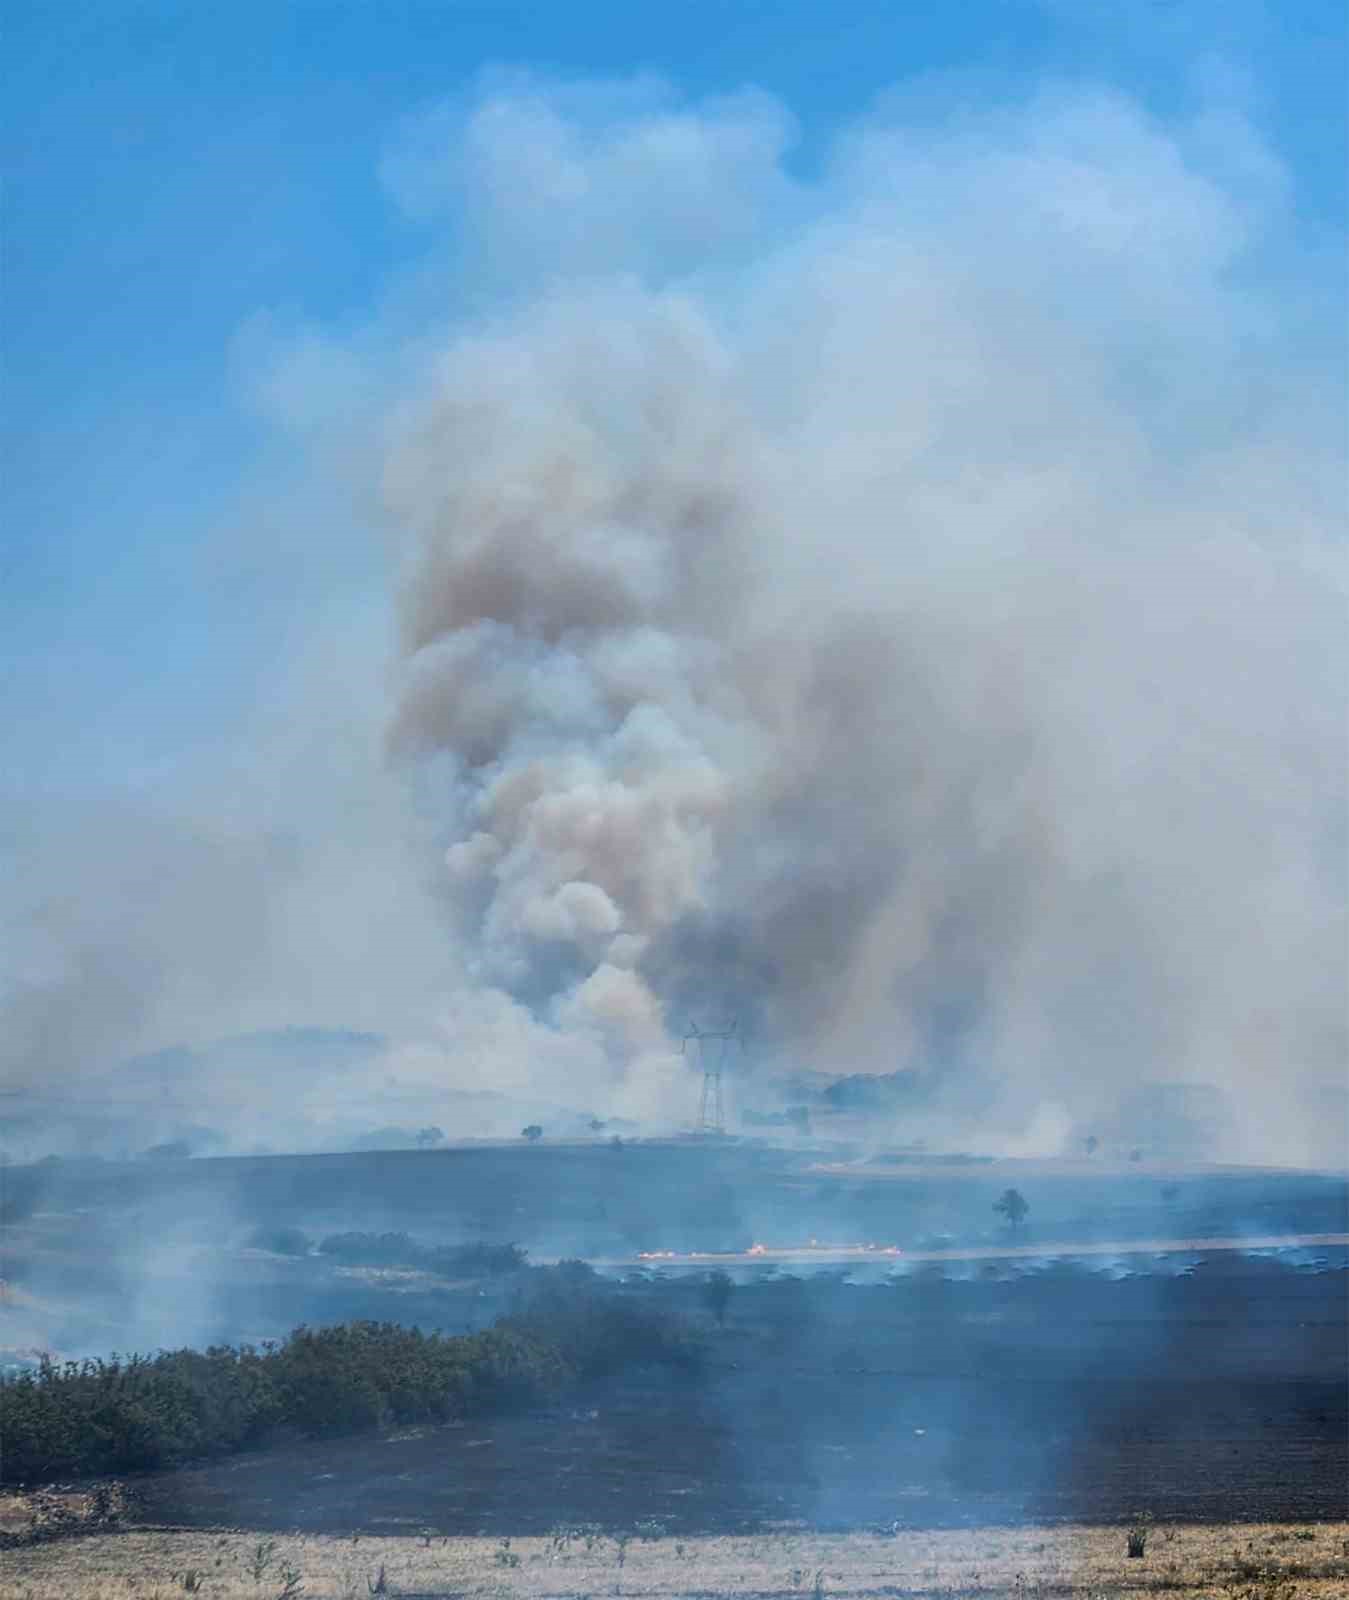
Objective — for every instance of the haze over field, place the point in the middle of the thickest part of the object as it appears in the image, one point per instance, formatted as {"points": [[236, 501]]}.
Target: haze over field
{"points": [[896, 599]]}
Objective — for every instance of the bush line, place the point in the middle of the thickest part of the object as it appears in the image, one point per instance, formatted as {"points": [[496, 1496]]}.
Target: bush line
{"points": [[82, 1418], [398, 1250]]}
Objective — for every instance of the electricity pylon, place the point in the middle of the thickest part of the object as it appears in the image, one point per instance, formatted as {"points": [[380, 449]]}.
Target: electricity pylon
{"points": [[713, 1046]]}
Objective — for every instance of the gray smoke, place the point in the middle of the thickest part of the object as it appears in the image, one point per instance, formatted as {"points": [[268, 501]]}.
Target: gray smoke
{"points": [[899, 604], [902, 609]]}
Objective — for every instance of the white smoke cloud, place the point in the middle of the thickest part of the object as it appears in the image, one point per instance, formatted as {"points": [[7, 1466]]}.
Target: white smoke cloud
{"points": [[901, 606], [921, 631]]}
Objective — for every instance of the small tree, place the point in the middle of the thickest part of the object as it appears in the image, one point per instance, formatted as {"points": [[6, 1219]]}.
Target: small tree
{"points": [[717, 1289], [280, 1241], [427, 1138], [1012, 1205], [1091, 1142], [533, 1133], [172, 1150], [1137, 1542]]}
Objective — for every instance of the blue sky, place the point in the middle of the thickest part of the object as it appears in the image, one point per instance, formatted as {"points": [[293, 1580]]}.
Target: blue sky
{"points": [[173, 169]]}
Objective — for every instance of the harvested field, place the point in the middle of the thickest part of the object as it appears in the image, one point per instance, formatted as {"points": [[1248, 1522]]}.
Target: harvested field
{"points": [[1261, 1562]]}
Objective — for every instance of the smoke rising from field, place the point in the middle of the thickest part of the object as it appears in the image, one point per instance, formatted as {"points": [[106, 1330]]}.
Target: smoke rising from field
{"points": [[899, 603], [899, 608]]}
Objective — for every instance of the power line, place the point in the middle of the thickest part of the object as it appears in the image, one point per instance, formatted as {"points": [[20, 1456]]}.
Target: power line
{"points": [[713, 1046]]}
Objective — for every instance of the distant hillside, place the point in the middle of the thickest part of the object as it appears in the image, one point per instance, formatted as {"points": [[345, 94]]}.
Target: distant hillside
{"points": [[343, 1045], [279, 1089], [198, 1098]]}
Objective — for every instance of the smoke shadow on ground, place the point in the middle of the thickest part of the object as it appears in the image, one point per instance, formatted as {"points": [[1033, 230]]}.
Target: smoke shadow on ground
{"points": [[927, 1402]]}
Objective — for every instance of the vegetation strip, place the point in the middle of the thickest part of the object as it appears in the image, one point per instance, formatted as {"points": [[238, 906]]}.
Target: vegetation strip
{"points": [[137, 1413]]}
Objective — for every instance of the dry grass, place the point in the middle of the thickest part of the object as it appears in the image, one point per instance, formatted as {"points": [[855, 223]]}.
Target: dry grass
{"points": [[1216, 1563]]}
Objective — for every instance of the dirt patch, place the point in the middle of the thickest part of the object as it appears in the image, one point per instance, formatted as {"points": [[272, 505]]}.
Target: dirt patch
{"points": [[993, 1563], [37, 1516]]}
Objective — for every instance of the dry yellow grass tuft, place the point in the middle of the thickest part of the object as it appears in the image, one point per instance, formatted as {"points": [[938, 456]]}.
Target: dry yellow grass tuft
{"points": [[1222, 1562]]}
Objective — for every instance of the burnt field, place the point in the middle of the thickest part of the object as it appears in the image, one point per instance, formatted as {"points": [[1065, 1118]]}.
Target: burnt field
{"points": [[1022, 1383], [100, 1255], [1217, 1395], [595, 1197], [603, 1198]]}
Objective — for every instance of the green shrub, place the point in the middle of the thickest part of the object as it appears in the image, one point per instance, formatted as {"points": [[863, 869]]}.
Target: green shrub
{"points": [[372, 1249], [401, 1250], [717, 1289], [596, 1329], [127, 1415], [477, 1260], [280, 1241]]}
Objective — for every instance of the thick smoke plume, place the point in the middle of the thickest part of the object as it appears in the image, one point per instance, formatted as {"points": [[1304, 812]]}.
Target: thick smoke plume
{"points": [[899, 603], [900, 608]]}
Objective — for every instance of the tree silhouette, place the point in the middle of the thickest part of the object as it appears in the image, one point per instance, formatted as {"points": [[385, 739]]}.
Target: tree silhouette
{"points": [[533, 1133], [717, 1290], [1012, 1205]]}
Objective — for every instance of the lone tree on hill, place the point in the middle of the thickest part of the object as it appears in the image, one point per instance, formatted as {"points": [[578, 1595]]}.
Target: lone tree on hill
{"points": [[533, 1133], [1012, 1205]]}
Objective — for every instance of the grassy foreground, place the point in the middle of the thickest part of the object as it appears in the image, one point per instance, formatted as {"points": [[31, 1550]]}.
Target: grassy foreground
{"points": [[1233, 1562]]}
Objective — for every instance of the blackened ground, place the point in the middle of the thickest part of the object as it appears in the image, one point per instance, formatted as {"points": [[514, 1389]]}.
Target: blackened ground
{"points": [[649, 1454], [1216, 1395]]}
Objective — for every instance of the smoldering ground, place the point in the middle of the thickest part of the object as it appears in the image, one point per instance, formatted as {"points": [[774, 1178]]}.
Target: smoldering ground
{"points": [[920, 1403], [105, 1254], [1050, 1382], [898, 602]]}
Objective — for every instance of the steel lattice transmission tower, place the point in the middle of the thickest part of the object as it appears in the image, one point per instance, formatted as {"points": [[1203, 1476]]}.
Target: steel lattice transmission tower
{"points": [[713, 1045]]}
